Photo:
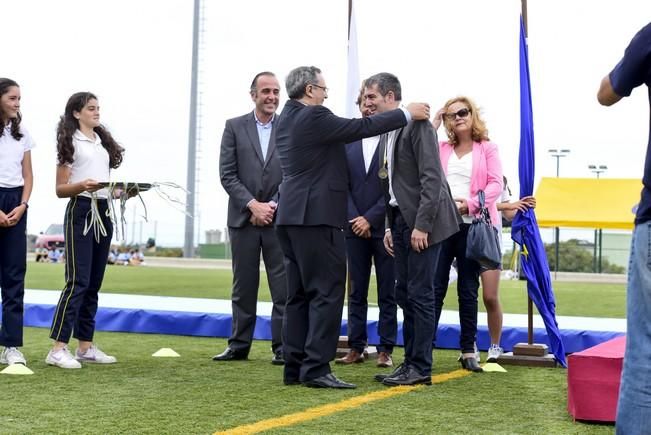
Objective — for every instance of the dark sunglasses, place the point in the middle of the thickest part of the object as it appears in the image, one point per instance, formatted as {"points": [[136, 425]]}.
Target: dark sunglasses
{"points": [[461, 114]]}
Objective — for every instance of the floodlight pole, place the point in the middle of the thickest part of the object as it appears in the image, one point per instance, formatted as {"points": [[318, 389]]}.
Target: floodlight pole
{"points": [[557, 154], [188, 246], [598, 233]]}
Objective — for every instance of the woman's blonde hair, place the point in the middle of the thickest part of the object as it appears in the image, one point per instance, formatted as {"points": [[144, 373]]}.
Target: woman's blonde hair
{"points": [[479, 130]]}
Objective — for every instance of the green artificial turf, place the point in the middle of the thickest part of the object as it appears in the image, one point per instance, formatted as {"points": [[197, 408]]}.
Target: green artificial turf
{"points": [[572, 298], [193, 394]]}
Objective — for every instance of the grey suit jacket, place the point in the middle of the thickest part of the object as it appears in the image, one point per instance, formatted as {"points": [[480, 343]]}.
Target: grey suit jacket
{"points": [[244, 174], [419, 183]]}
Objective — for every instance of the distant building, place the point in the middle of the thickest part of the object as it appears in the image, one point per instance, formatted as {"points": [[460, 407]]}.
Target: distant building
{"points": [[213, 237]]}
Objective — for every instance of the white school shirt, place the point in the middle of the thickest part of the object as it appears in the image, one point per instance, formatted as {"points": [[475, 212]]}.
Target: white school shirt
{"points": [[12, 152], [504, 198], [459, 173], [90, 160], [391, 139], [369, 145]]}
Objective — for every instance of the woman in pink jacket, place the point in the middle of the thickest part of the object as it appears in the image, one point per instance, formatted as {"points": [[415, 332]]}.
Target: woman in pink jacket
{"points": [[471, 163]]}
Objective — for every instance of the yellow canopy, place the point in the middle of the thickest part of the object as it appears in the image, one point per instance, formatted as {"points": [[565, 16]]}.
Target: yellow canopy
{"points": [[588, 202]]}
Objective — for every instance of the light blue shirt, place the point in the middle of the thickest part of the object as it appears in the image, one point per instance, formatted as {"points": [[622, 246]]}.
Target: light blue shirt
{"points": [[264, 134]]}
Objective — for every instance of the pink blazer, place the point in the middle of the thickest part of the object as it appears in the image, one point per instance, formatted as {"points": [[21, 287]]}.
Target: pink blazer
{"points": [[486, 175]]}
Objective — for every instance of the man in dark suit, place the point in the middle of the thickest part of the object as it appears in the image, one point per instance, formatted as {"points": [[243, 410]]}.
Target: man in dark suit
{"points": [[364, 247], [421, 213], [311, 218], [250, 173]]}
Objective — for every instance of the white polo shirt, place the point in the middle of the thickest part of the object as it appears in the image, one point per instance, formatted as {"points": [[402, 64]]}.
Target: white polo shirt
{"points": [[12, 152], [90, 160]]}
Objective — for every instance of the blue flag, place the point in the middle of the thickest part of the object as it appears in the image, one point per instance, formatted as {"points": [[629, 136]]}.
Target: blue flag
{"points": [[524, 230]]}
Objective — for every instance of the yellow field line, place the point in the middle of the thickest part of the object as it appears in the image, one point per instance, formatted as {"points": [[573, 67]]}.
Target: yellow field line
{"points": [[332, 408]]}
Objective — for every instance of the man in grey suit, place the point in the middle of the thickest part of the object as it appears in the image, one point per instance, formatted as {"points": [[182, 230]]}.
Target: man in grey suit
{"points": [[421, 213], [250, 173]]}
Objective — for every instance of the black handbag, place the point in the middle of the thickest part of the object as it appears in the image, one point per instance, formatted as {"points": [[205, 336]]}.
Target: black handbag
{"points": [[483, 243]]}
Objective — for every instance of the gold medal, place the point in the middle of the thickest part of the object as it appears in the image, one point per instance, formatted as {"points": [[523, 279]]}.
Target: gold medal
{"points": [[383, 173]]}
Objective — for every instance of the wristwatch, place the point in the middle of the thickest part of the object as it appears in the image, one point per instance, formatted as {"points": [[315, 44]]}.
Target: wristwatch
{"points": [[25, 204]]}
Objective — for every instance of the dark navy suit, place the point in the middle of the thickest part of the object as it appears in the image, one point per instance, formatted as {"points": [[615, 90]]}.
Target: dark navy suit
{"points": [[366, 198]]}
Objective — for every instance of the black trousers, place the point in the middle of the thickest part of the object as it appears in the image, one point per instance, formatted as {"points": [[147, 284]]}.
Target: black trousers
{"points": [[415, 295], [315, 265], [467, 286], [247, 243], [13, 251], [85, 264], [361, 254]]}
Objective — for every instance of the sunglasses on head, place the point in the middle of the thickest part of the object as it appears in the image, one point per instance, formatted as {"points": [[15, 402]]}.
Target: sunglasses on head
{"points": [[461, 114]]}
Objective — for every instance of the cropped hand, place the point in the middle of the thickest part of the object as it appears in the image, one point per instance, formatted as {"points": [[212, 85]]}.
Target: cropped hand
{"points": [[462, 205], [4, 220], [90, 185], [418, 111], [255, 221], [262, 211], [529, 201], [419, 240], [438, 118], [15, 215], [361, 227], [388, 243], [518, 206]]}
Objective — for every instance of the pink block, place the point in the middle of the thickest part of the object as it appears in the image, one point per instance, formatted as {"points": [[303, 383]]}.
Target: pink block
{"points": [[593, 377]]}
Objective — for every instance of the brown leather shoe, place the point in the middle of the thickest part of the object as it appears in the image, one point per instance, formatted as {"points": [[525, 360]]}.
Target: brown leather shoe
{"points": [[351, 357], [384, 359]]}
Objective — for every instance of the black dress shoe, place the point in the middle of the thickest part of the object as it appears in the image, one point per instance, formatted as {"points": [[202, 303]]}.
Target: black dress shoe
{"points": [[230, 355], [291, 382], [410, 376], [278, 358], [471, 364], [398, 370], [328, 381]]}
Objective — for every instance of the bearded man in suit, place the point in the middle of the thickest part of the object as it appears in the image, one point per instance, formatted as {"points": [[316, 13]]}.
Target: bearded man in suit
{"points": [[250, 174]]}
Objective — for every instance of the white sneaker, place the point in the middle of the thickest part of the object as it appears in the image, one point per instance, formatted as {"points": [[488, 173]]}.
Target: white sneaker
{"points": [[494, 352], [62, 358], [11, 355], [94, 355]]}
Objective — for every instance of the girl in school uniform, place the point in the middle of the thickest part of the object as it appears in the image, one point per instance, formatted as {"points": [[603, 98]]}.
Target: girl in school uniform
{"points": [[16, 180], [86, 152]]}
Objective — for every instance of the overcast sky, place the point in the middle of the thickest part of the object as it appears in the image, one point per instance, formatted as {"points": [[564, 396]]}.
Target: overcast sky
{"points": [[136, 56]]}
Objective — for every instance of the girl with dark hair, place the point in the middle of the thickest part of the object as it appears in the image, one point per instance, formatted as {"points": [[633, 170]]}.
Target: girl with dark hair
{"points": [[490, 279], [16, 181], [86, 152]]}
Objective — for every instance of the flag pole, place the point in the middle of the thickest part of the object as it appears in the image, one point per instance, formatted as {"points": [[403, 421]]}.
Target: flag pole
{"points": [[529, 301], [343, 346], [534, 262], [524, 17], [350, 13]]}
